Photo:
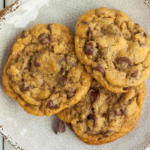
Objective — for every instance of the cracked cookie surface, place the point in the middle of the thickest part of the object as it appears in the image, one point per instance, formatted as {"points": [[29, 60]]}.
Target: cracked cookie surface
{"points": [[102, 116], [42, 72], [115, 51]]}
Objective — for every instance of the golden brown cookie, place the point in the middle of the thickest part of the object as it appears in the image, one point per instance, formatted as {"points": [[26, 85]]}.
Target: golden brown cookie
{"points": [[102, 116], [115, 51], [42, 73]]}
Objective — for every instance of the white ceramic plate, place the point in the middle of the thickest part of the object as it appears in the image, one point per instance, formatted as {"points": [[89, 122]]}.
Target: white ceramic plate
{"points": [[25, 131]]}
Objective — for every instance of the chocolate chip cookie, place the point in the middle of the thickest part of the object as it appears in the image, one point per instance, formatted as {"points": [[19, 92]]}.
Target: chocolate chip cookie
{"points": [[102, 116], [42, 73], [115, 50]]}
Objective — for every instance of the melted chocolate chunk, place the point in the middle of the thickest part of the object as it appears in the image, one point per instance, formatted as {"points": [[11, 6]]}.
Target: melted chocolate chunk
{"points": [[98, 46], [137, 32], [94, 118], [136, 92], [80, 121], [44, 38], [25, 89], [51, 105], [124, 60], [100, 69], [116, 113], [95, 94], [63, 80], [124, 111], [37, 64], [144, 34], [134, 75], [71, 92], [128, 88], [89, 48], [107, 133], [99, 138], [88, 31], [84, 22]]}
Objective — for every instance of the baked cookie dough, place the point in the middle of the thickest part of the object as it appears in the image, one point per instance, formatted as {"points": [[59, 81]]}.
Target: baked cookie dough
{"points": [[102, 116], [115, 50], [42, 73]]}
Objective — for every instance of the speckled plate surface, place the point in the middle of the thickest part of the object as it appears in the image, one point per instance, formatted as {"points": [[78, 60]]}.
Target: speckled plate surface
{"points": [[27, 132]]}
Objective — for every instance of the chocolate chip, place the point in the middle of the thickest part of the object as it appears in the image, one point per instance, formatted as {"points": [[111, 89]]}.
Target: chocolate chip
{"points": [[124, 60], [137, 32], [61, 127], [134, 75], [98, 46], [44, 38], [98, 132], [136, 92], [95, 122], [25, 89], [88, 51], [95, 94], [66, 72], [23, 60], [70, 93], [100, 69], [84, 22], [130, 100], [23, 35], [107, 133], [99, 138], [49, 27], [94, 118], [144, 34], [65, 56], [37, 64], [88, 31], [109, 119], [123, 110], [128, 88], [89, 48], [63, 80], [51, 105], [90, 129], [136, 95], [80, 121], [116, 113]]}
